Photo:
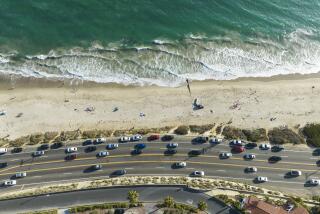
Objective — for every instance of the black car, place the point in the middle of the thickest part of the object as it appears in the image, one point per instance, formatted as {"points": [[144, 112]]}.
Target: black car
{"points": [[277, 148], [87, 142], [195, 152], [119, 172], [3, 165], [90, 149], [274, 159], [251, 145], [200, 139], [16, 150], [136, 152], [316, 152], [43, 147], [56, 145], [167, 137], [170, 152]]}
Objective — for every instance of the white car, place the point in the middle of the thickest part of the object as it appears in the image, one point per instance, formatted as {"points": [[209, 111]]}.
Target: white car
{"points": [[236, 142], [251, 169], [21, 174], [225, 155], [215, 140], [172, 145], [136, 137], [198, 173], [262, 179], [314, 182], [100, 140], [3, 151], [71, 149], [103, 154], [249, 156], [9, 182], [124, 139], [181, 164], [265, 146], [38, 153], [295, 173]]}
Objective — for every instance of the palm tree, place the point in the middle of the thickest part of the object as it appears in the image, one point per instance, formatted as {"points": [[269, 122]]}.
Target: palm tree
{"points": [[133, 197], [168, 202], [202, 206]]}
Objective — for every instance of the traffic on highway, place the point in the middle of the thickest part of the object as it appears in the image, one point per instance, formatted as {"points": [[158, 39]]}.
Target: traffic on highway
{"points": [[198, 156]]}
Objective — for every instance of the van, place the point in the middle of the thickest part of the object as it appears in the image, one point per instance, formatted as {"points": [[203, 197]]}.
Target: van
{"points": [[3, 151]]}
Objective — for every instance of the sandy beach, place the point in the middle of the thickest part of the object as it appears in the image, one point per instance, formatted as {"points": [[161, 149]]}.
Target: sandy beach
{"points": [[36, 106]]}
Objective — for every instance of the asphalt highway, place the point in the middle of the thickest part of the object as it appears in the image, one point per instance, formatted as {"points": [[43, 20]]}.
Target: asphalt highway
{"points": [[52, 167]]}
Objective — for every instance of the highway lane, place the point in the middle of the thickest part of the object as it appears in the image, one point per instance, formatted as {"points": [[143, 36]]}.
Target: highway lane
{"points": [[53, 165]]}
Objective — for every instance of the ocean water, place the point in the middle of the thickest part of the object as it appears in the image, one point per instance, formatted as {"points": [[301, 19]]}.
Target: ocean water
{"points": [[158, 42]]}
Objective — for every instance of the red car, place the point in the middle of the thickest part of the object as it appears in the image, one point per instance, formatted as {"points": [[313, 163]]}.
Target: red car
{"points": [[238, 149], [154, 137]]}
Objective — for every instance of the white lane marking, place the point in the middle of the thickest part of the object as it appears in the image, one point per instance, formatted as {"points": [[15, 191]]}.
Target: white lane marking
{"points": [[284, 156], [189, 168], [221, 170], [67, 173], [160, 167], [37, 176], [128, 168], [314, 158], [22, 187]]}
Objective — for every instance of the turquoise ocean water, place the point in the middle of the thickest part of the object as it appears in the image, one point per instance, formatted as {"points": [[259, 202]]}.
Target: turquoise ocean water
{"points": [[158, 41]]}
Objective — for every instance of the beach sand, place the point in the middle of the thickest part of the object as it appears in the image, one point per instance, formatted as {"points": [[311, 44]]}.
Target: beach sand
{"points": [[40, 106]]}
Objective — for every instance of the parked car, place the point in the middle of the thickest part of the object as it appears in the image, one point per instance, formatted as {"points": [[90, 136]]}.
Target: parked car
{"points": [[294, 173], [314, 182], [274, 159], [124, 139], [316, 152], [249, 156], [289, 207], [112, 146], [277, 148], [71, 149], [154, 137], [225, 155], [200, 139], [251, 169], [140, 146], [103, 154], [215, 140], [100, 140], [136, 137], [3, 151], [197, 173], [167, 137], [90, 148], [180, 164], [3, 165], [120, 172], [195, 153], [9, 182], [87, 142], [172, 145], [16, 150], [261, 179], [21, 174], [265, 146], [251, 145], [38, 153], [71, 156], [238, 149]]}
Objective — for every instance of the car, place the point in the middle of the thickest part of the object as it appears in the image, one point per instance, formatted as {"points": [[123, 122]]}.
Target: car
{"points": [[170, 151], [3, 151], [316, 152], [43, 147], [215, 140], [16, 150], [140, 146], [277, 148], [90, 148], [124, 139], [103, 154], [120, 172], [274, 159], [21, 174], [225, 155], [167, 137], [100, 140], [112, 146], [294, 173], [136, 137], [238, 149], [180, 164], [153, 137], [200, 139], [172, 145], [87, 142], [265, 146], [261, 179], [97, 167], [38, 153], [3, 165], [314, 182], [71, 156], [235, 143], [197, 173], [195, 153], [249, 156], [251, 145], [136, 152], [9, 182], [289, 207], [57, 145], [71, 149], [251, 169]]}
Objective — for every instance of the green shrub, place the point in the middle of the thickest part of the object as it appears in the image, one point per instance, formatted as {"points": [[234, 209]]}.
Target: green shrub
{"points": [[255, 135], [230, 132], [284, 135], [312, 133], [201, 128], [181, 130]]}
